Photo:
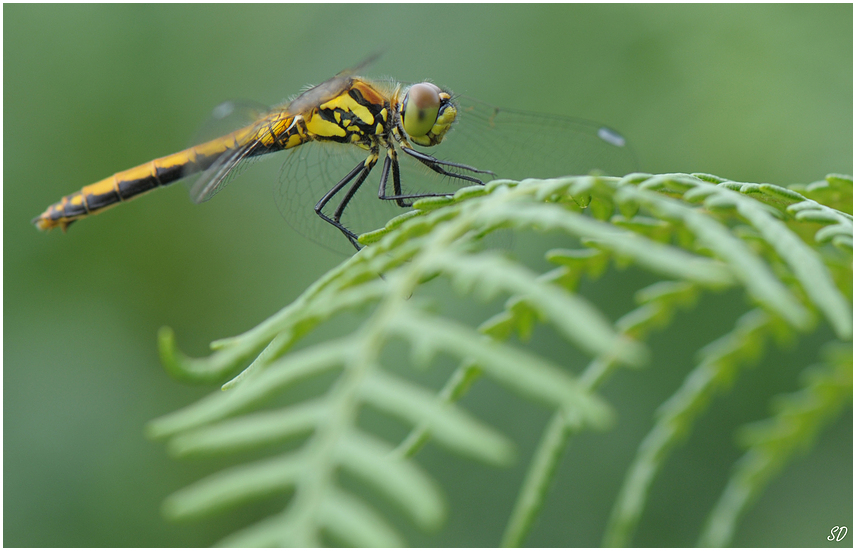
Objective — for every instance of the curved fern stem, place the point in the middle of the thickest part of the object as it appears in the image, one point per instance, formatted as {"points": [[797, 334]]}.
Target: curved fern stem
{"points": [[536, 485]]}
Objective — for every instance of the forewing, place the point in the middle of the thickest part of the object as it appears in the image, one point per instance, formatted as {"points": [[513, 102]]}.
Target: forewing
{"points": [[518, 144]]}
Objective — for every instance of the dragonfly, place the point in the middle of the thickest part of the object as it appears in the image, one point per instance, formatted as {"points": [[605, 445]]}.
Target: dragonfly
{"points": [[337, 132]]}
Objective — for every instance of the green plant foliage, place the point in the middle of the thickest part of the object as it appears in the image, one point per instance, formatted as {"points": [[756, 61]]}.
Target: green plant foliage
{"points": [[788, 249], [798, 418]]}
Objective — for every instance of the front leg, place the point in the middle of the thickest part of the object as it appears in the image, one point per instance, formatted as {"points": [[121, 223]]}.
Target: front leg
{"points": [[390, 163], [437, 166]]}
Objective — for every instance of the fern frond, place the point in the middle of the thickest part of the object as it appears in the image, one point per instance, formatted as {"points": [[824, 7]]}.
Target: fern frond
{"points": [[799, 417], [718, 363], [785, 249]]}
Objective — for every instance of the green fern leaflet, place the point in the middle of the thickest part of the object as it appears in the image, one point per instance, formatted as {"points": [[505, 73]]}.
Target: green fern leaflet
{"points": [[788, 251]]}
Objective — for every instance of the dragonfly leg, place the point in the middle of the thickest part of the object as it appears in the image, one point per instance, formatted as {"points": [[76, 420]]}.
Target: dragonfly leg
{"points": [[437, 166], [404, 200], [360, 172]]}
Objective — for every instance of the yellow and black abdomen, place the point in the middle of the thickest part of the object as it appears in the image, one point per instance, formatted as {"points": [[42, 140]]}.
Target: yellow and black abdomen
{"points": [[122, 186], [136, 181]]}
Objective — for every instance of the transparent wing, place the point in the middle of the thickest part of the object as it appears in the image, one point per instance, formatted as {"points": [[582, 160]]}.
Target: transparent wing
{"points": [[517, 144], [222, 172], [226, 118]]}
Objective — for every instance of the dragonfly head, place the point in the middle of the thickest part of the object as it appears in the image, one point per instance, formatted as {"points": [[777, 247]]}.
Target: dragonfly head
{"points": [[427, 113]]}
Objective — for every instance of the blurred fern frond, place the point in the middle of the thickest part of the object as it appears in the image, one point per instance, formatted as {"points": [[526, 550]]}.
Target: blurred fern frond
{"points": [[788, 250]]}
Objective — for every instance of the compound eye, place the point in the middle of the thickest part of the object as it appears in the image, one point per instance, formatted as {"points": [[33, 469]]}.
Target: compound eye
{"points": [[421, 107]]}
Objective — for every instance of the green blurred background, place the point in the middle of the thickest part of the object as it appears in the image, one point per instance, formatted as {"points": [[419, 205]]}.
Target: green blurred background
{"points": [[754, 93]]}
